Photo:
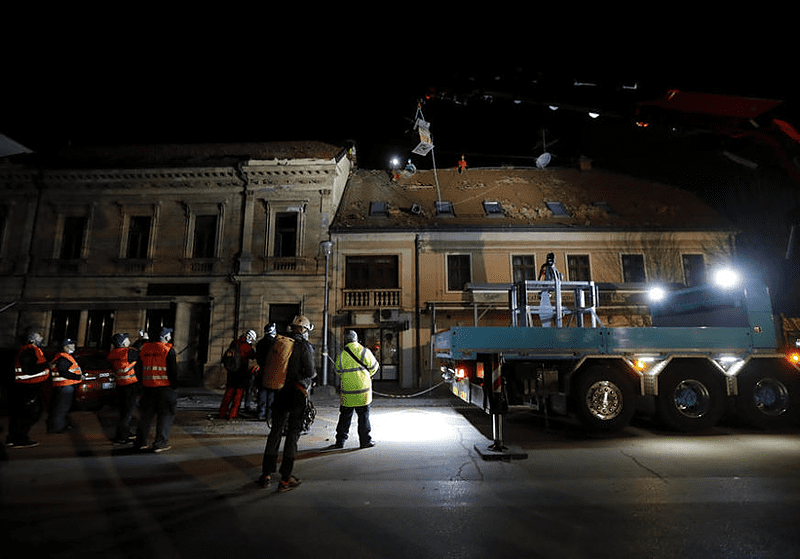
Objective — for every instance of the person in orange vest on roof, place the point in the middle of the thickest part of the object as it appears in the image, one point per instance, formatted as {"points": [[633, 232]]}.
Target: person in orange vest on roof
{"points": [[25, 402], [65, 374], [159, 391], [236, 362], [124, 360], [462, 165]]}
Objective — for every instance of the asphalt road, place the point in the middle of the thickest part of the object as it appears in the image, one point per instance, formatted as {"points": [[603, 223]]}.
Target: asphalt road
{"points": [[422, 491]]}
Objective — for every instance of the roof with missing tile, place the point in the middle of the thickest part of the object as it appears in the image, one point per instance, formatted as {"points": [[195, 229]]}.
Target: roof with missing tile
{"points": [[526, 198]]}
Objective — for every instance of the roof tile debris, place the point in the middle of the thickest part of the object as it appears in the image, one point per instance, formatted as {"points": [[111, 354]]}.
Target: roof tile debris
{"points": [[593, 199]]}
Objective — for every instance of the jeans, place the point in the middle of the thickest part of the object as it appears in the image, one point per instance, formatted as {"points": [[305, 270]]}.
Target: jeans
{"points": [[264, 406], [160, 402], [127, 396], [343, 426], [287, 409], [57, 421], [25, 409]]}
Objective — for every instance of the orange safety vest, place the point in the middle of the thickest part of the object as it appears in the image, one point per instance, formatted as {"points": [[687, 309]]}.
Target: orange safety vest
{"points": [[123, 369], [58, 380], [25, 377], [154, 364]]}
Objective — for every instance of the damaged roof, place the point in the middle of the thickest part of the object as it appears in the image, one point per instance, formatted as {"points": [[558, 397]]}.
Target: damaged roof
{"points": [[505, 198]]}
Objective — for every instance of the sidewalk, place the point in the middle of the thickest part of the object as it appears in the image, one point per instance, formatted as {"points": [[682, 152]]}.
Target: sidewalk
{"points": [[198, 409], [198, 398]]}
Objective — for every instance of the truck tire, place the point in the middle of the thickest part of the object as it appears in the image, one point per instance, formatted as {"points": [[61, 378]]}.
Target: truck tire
{"points": [[768, 392], [605, 399], [690, 397]]}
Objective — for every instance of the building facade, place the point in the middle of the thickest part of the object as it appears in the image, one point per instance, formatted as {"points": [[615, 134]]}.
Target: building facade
{"points": [[419, 252], [211, 240]]}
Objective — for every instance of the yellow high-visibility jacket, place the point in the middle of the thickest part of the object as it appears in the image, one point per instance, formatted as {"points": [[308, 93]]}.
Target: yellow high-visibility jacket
{"points": [[356, 378]]}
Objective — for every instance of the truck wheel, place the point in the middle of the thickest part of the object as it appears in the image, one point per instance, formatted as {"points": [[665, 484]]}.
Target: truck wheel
{"points": [[605, 399], [690, 398], [767, 396]]}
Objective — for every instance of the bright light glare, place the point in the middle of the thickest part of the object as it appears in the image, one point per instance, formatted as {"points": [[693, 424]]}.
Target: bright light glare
{"points": [[726, 278], [414, 426], [657, 294]]}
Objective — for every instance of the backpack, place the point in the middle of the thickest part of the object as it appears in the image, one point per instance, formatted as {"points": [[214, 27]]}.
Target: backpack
{"points": [[232, 359], [277, 363]]}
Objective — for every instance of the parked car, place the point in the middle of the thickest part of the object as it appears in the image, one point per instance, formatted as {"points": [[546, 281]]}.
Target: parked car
{"points": [[98, 386]]}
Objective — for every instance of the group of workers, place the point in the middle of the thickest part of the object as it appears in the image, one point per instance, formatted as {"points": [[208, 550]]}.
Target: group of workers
{"points": [[146, 375]]}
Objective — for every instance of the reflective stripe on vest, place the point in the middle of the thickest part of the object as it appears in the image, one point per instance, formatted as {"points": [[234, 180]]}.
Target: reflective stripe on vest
{"points": [[40, 376], [123, 370], [74, 368], [153, 356]]}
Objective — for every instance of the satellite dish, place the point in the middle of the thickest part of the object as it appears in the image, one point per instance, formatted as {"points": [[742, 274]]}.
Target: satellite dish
{"points": [[543, 160]]}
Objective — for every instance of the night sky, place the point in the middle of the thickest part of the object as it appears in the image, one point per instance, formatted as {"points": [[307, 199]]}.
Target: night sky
{"points": [[229, 76], [253, 76]]}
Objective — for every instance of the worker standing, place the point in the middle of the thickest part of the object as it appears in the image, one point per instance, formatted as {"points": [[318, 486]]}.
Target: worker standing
{"points": [[356, 365], [66, 374], [264, 396], [159, 391], [25, 403], [288, 409], [124, 359], [236, 362], [462, 165]]}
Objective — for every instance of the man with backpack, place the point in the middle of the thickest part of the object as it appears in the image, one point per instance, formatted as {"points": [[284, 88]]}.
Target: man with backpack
{"points": [[236, 362], [288, 409]]}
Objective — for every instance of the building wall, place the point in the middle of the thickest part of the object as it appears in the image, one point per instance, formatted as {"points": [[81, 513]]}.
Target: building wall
{"points": [[428, 306], [208, 300]]}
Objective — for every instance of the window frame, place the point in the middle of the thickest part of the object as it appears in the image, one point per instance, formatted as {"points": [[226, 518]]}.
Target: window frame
{"points": [[627, 272], [448, 267], [570, 274]]}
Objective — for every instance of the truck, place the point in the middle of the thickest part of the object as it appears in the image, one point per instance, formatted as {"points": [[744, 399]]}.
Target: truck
{"points": [[712, 351]]}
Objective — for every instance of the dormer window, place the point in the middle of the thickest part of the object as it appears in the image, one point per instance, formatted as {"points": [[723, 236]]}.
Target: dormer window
{"points": [[378, 209], [558, 209], [444, 209], [493, 209]]}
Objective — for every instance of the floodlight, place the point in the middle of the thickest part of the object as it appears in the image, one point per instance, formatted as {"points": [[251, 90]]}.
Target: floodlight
{"points": [[726, 278], [657, 294]]}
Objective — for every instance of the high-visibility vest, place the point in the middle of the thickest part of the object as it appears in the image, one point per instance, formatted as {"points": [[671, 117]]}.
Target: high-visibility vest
{"points": [[74, 368], [356, 380], [31, 377], [153, 356], [123, 369]]}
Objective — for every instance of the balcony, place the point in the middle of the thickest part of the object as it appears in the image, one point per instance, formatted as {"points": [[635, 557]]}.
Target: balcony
{"points": [[290, 265], [372, 298]]}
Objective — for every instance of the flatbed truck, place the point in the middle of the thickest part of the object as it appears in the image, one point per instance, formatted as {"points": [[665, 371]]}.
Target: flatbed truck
{"points": [[709, 351]]}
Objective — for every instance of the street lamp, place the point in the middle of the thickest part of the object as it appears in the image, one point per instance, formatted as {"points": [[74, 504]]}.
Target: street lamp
{"points": [[325, 246]]}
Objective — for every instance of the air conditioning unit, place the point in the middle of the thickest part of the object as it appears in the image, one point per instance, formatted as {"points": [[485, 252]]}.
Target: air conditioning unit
{"points": [[394, 317]]}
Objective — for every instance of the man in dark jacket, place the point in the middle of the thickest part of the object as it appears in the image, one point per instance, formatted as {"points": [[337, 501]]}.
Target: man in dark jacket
{"points": [[288, 408], [264, 396]]}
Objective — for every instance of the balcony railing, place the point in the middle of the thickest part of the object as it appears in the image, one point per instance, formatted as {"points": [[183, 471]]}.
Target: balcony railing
{"points": [[372, 298], [291, 265]]}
